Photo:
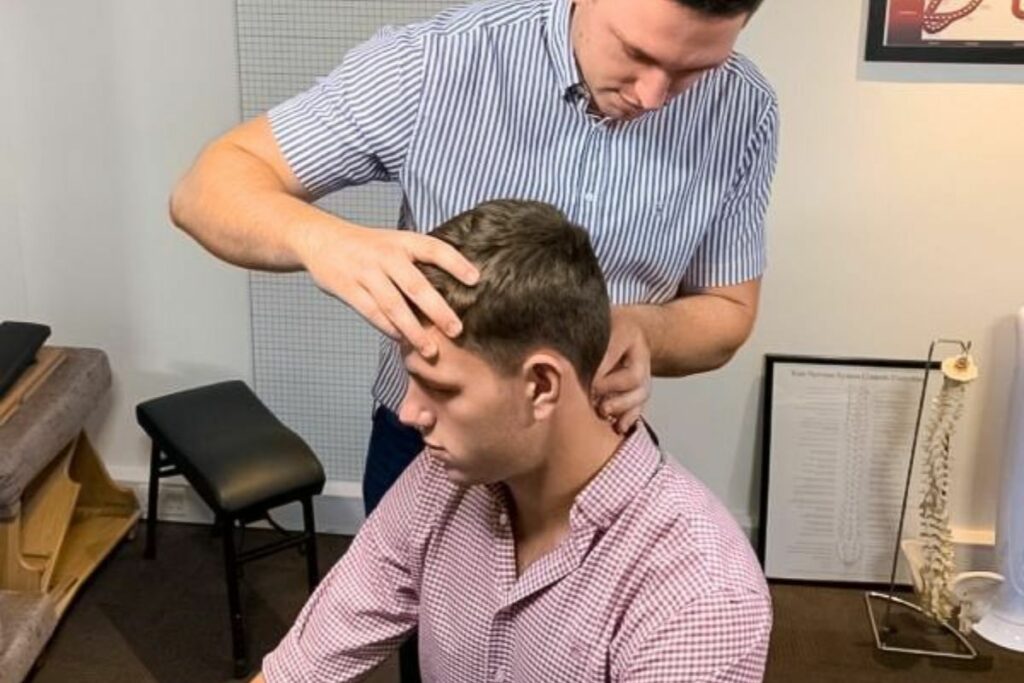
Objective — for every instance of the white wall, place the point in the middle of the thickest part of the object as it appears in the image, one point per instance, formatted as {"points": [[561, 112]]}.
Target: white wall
{"points": [[105, 103], [895, 218]]}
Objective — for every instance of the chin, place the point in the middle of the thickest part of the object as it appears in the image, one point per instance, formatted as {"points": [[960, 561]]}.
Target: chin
{"points": [[616, 114], [612, 106]]}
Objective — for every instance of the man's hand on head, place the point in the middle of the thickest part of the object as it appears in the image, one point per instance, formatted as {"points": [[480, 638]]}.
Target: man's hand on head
{"points": [[622, 384], [371, 269]]}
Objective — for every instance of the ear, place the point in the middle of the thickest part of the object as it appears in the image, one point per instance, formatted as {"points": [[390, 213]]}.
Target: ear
{"points": [[545, 375]]}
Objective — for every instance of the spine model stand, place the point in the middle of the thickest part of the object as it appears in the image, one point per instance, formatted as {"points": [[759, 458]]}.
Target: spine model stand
{"points": [[937, 573], [933, 587]]}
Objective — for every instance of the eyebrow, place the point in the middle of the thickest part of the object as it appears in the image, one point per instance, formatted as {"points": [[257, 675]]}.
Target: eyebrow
{"points": [[406, 349], [650, 59], [429, 382], [630, 47]]}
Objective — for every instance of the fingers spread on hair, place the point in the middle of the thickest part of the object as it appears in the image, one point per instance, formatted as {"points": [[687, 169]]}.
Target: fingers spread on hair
{"points": [[419, 290], [426, 249], [397, 311]]}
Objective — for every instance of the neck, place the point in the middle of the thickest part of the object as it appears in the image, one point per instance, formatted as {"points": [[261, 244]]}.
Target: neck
{"points": [[576, 448]]}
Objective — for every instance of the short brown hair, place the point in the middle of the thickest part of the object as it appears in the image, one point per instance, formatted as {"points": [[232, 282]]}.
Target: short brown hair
{"points": [[723, 8], [540, 285]]}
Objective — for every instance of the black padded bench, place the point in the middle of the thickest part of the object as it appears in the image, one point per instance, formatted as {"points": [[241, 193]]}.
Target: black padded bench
{"points": [[243, 462]]}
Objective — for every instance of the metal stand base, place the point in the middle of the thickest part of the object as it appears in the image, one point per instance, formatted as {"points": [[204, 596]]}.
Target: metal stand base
{"points": [[884, 631]]}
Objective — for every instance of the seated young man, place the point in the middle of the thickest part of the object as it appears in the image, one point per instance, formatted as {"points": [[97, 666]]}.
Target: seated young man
{"points": [[529, 541]]}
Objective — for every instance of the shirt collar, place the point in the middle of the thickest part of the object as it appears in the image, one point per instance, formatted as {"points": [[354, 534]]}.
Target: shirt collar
{"points": [[567, 72], [620, 481]]}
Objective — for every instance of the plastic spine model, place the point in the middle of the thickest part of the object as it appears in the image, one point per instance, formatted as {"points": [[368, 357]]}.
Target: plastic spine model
{"points": [[937, 573]]}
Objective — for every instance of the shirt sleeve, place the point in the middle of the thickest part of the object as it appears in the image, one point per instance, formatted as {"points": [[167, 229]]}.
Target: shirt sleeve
{"points": [[721, 638], [355, 125], [733, 248], [368, 603]]}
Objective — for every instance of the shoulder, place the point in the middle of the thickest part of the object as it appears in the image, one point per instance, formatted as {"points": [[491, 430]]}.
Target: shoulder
{"points": [[740, 74], [473, 21], [684, 547], [738, 93], [735, 98], [698, 570]]}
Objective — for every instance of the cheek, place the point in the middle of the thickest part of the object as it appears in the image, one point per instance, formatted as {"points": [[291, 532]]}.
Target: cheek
{"points": [[610, 64], [501, 424], [469, 425], [603, 61]]}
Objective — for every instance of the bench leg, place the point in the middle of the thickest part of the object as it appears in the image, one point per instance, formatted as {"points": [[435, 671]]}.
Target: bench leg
{"points": [[312, 568], [231, 567], [154, 492]]}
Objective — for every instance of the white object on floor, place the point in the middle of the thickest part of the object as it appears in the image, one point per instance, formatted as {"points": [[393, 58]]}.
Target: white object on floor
{"points": [[973, 592], [1004, 622]]}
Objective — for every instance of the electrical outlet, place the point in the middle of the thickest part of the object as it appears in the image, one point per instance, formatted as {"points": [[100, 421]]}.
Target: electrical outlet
{"points": [[172, 501]]}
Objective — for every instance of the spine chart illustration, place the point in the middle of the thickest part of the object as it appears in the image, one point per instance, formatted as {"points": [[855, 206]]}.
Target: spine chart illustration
{"points": [[934, 21], [849, 544]]}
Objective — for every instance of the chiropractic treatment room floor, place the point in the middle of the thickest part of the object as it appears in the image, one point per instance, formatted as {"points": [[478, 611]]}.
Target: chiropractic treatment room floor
{"points": [[165, 621]]}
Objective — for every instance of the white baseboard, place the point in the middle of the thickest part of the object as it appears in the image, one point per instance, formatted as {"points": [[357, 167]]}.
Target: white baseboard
{"points": [[339, 510]]}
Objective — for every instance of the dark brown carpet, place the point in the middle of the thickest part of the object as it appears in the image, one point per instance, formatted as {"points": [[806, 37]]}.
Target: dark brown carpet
{"points": [[823, 635], [165, 621]]}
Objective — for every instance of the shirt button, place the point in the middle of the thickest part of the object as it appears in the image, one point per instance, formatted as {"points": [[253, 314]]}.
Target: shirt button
{"points": [[589, 196], [501, 674], [503, 519]]}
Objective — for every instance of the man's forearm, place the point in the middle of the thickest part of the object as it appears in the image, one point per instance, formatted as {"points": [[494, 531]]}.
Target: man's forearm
{"points": [[695, 333], [242, 202], [236, 207]]}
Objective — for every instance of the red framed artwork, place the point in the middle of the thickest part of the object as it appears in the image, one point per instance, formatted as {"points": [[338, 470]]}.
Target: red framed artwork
{"points": [[967, 31]]}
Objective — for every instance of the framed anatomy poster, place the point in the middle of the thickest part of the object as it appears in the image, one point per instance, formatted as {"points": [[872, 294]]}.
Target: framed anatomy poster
{"points": [[837, 437], [969, 31]]}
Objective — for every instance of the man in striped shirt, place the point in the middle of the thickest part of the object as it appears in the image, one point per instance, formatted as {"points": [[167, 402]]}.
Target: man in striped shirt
{"points": [[531, 541], [634, 117]]}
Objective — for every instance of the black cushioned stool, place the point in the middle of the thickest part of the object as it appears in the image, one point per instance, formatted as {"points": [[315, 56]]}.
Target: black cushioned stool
{"points": [[243, 462]]}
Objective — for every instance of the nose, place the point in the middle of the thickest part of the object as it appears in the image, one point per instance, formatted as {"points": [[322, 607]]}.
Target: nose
{"points": [[652, 88], [413, 411]]}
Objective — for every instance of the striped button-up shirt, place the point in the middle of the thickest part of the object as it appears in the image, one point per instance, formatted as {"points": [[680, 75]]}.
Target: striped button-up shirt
{"points": [[484, 102], [653, 582]]}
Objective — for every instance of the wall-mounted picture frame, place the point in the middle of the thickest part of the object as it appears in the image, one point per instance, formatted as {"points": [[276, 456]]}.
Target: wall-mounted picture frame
{"points": [[836, 441], [945, 31]]}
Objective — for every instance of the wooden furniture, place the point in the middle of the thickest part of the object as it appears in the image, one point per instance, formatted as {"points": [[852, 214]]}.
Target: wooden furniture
{"points": [[243, 462], [60, 513], [72, 516], [47, 361]]}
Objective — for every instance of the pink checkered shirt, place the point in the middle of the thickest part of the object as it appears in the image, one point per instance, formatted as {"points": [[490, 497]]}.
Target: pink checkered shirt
{"points": [[655, 582]]}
